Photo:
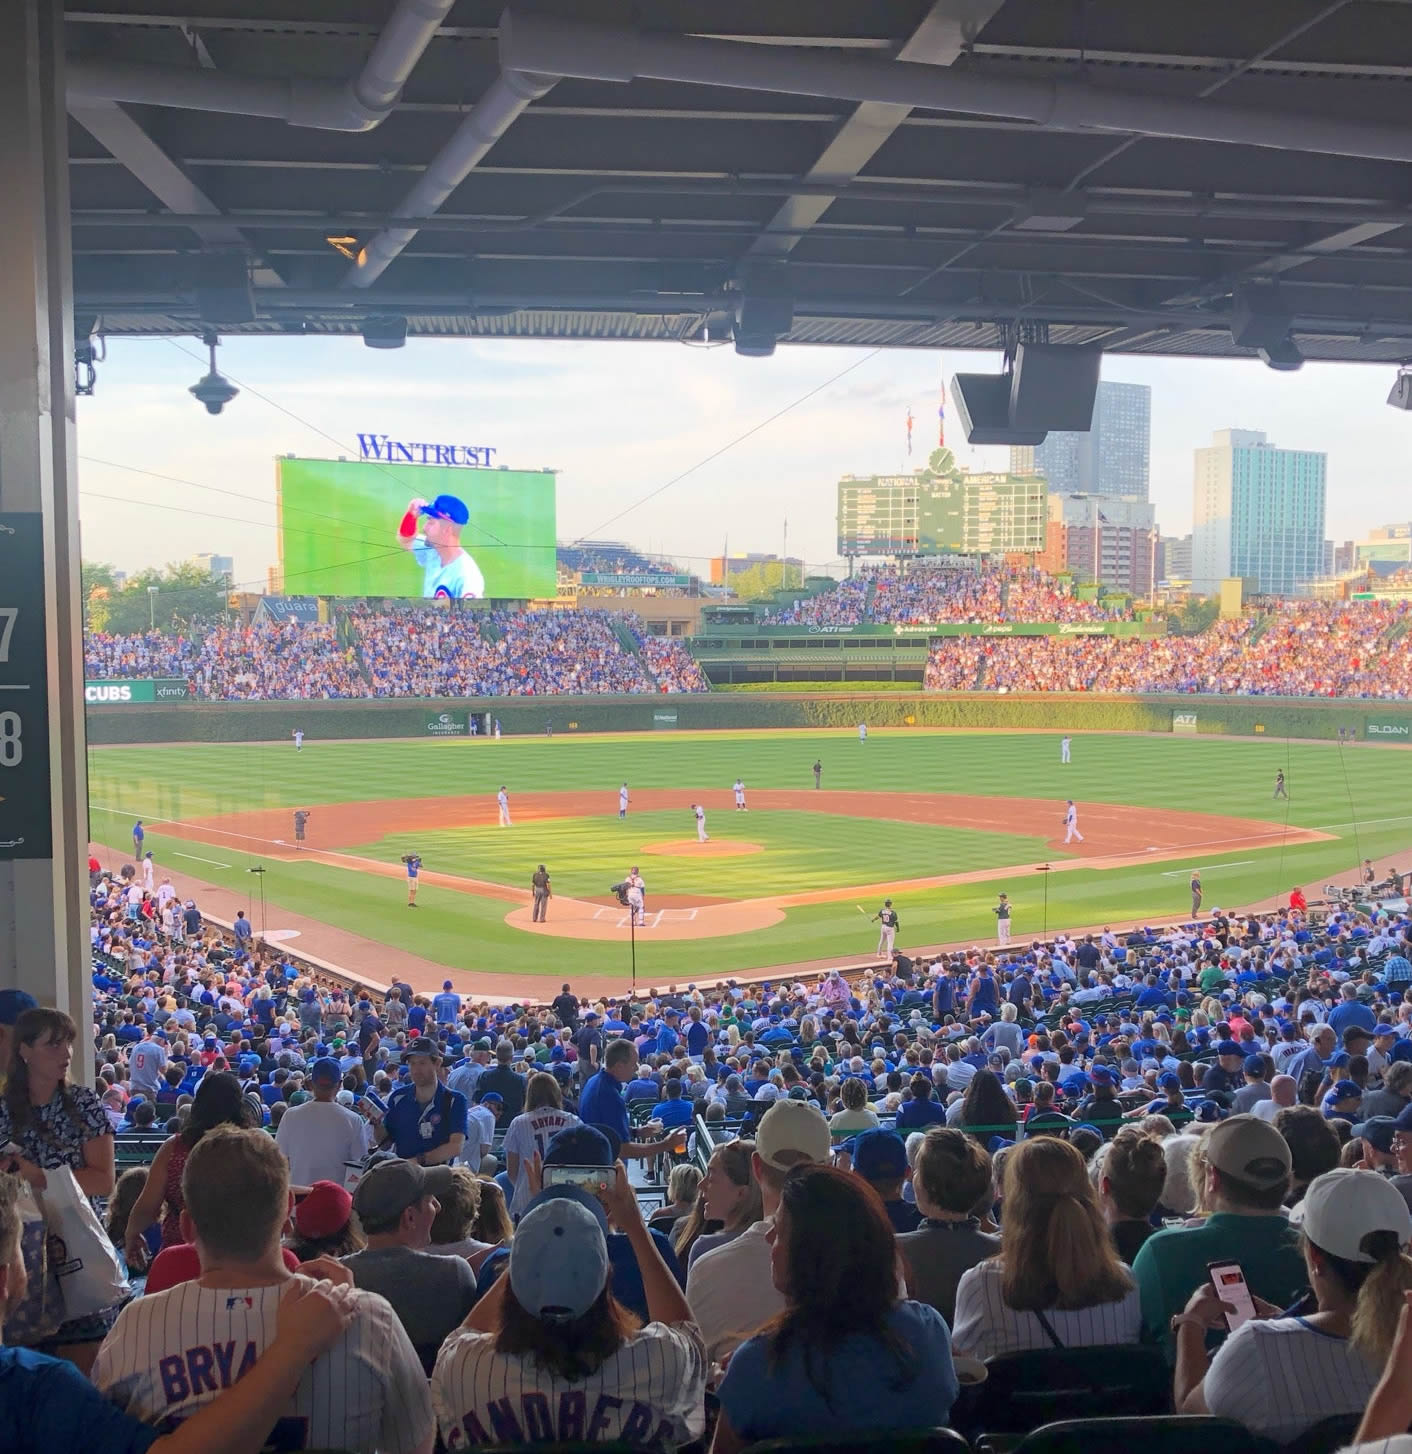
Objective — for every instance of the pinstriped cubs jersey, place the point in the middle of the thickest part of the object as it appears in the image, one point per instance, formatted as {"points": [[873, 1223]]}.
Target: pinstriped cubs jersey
{"points": [[171, 1352], [650, 1393]]}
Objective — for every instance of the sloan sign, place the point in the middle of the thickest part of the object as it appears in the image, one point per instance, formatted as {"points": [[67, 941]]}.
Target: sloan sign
{"points": [[407, 451], [1388, 729]]}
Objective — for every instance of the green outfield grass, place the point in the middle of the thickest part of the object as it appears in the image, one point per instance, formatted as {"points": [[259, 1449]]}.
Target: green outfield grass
{"points": [[1329, 790]]}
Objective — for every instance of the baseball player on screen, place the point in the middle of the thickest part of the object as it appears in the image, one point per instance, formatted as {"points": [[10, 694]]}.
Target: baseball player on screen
{"points": [[449, 571]]}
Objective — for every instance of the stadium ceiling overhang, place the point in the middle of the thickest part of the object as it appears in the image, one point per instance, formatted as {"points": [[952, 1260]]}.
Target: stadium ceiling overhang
{"points": [[1188, 177]]}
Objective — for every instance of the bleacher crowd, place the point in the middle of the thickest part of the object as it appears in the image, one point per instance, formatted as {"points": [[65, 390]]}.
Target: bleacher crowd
{"points": [[1302, 649], [903, 1199]]}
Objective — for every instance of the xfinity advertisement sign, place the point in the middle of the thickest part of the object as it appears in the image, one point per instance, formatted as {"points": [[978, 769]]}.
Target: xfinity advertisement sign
{"points": [[127, 693]]}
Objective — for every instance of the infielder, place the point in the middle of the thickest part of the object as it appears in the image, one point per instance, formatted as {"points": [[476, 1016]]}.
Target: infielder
{"points": [[299, 739], [701, 834], [414, 867], [739, 790], [301, 817], [1064, 748], [623, 801], [448, 573], [887, 927], [1002, 920], [502, 799], [1071, 823], [862, 732]]}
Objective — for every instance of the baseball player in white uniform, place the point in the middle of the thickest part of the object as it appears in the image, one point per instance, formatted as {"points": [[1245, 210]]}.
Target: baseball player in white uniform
{"points": [[623, 801], [299, 739], [1064, 748], [862, 732], [447, 571], [149, 871], [739, 790], [637, 896], [1071, 823], [502, 799], [701, 834], [171, 1352]]}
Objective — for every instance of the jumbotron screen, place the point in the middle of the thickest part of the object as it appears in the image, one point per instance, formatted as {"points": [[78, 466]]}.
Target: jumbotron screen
{"points": [[361, 528]]}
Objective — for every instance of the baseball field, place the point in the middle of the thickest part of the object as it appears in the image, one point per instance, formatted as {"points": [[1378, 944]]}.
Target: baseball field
{"points": [[939, 821]]}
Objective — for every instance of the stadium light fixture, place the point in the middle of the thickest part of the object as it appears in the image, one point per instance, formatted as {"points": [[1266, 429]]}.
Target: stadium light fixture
{"points": [[213, 390]]}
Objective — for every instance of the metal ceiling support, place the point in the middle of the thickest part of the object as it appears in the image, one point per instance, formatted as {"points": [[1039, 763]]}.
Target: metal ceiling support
{"points": [[949, 26], [601, 53], [359, 104], [486, 122]]}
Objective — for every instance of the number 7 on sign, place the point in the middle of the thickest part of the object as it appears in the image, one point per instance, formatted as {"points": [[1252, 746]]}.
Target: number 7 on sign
{"points": [[8, 616]]}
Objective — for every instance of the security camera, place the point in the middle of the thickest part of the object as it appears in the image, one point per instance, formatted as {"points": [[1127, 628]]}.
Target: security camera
{"points": [[1401, 395], [214, 391]]}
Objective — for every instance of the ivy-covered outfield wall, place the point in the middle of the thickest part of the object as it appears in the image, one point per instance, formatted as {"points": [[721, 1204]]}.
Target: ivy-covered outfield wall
{"points": [[186, 721]]}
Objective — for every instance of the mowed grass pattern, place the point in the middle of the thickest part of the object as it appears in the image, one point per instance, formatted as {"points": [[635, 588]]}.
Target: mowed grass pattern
{"points": [[800, 851], [1329, 789]]}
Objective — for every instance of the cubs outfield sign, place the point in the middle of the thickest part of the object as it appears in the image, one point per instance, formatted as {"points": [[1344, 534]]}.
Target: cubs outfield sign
{"points": [[140, 691]]}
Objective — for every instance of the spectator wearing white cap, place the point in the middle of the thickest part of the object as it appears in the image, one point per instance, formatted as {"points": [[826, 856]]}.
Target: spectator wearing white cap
{"points": [[729, 1290], [1281, 1375], [549, 1355]]}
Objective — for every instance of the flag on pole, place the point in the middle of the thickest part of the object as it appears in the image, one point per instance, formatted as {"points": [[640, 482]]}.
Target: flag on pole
{"points": [[941, 419], [909, 431]]}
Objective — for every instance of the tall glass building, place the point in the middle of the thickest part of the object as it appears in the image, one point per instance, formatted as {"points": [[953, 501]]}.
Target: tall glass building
{"points": [[1112, 458], [1257, 512]]}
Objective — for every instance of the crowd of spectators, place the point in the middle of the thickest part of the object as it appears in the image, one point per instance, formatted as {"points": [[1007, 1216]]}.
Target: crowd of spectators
{"points": [[1302, 649], [672, 666], [270, 662], [980, 1156], [151, 654]]}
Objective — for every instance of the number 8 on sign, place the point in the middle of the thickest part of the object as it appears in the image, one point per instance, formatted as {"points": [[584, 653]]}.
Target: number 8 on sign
{"points": [[11, 749]]}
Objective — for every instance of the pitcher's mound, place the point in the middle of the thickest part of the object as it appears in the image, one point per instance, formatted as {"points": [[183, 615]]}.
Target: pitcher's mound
{"points": [[690, 848]]}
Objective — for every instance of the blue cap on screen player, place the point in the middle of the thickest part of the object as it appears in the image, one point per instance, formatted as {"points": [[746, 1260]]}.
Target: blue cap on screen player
{"points": [[447, 507]]}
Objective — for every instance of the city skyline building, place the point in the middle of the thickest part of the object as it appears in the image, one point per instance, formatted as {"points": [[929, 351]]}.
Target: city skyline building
{"points": [[1112, 458], [1258, 513]]}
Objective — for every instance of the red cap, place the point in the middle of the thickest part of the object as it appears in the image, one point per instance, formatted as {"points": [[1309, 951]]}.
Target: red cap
{"points": [[324, 1211]]}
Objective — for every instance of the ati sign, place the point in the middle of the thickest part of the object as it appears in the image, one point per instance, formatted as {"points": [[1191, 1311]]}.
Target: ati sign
{"points": [[1388, 731], [1184, 722], [406, 451], [448, 724], [126, 693]]}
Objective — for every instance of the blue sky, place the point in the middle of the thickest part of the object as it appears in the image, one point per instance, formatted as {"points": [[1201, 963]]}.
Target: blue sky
{"points": [[618, 420]]}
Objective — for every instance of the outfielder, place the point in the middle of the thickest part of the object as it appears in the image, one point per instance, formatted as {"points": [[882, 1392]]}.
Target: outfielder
{"points": [[818, 770], [887, 927], [1071, 823], [701, 834], [414, 867], [502, 799], [739, 790], [862, 732], [1280, 784], [1064, 748], [623, 801], [299, 739]]}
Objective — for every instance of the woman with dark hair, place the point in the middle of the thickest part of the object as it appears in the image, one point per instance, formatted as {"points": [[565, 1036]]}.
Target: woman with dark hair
{"points": [[986, 1106], [1057, 1281], [550, 1338], [218, 1102], [922, 1110], [55, 1124], [492, 1222], [833, 1256], [728, 1202]]}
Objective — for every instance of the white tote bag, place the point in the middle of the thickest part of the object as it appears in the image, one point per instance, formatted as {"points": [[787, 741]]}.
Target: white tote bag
{"points": [[80, 1255]]}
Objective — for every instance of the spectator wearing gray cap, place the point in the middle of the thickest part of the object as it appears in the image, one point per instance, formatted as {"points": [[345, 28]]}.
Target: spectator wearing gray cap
{"points": [[320, 1138], [551, 1354], [396, 1205], [1247, 1168]]}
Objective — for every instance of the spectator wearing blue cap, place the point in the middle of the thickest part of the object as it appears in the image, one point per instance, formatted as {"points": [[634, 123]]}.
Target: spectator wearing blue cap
{"points": [[1227, 1075], [425, 1121], [880, 1159], [448, 571], [1342, 1102], [1256, 1087], [320, 1138], [13, 1004], [1101, 1104], [551, 1353]]}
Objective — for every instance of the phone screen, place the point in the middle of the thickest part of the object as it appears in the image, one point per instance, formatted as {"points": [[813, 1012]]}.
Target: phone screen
{"points": [[592, 1179], [1229, 1282]]}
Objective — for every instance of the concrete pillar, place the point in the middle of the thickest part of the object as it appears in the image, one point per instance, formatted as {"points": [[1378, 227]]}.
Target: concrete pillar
{"points": [[43, 780]]}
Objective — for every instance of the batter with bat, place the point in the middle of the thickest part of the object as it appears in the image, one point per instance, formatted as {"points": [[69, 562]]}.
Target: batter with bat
{"points": [[888, 922]]}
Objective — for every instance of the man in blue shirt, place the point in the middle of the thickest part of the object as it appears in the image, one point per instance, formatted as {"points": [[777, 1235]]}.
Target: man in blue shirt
{"points": [[697, 1035], [602, 1103], [446, 1006], [1349, 1011], [425, 1121]]}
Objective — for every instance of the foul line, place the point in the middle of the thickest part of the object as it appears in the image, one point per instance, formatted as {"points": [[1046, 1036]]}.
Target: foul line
{"points": [[1205, 867], [196, 858]]}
